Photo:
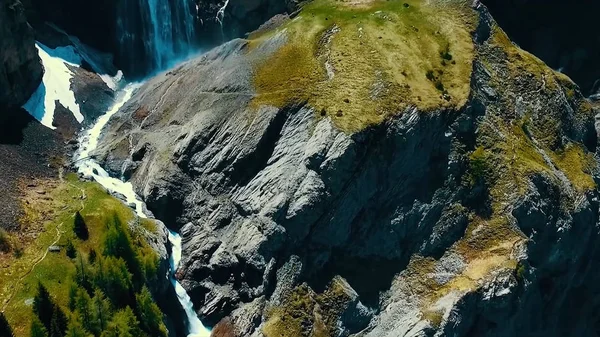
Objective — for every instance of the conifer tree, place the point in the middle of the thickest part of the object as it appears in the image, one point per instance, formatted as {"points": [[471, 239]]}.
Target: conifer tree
{"points": [[151, 318], [74, 329], [73, 288], [43, 306], [82, 273], [58, 324], [102, 312], [92, 256], [37, 328], [123, 324], [80, 227], [114, 279], [70, 250], [84, 309], [5, 329], [117, 243]]}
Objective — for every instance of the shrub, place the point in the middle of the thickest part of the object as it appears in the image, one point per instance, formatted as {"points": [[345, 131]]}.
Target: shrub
{"points": [[478, 164]]}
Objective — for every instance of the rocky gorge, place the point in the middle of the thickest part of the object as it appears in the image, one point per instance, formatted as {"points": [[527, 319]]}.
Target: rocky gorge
{"points": [[369, 168], [460, 207]]}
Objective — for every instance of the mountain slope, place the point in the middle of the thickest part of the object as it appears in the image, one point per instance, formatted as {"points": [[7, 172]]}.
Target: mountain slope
{"points": [[372, 168]]}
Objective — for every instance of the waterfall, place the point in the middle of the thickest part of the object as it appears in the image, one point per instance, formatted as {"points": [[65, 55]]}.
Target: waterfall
{"points": [[221, 13], [154, 34], [88, 167]]}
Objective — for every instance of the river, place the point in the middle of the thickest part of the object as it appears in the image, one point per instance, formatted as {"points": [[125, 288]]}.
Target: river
{"points": [[89, 168]]}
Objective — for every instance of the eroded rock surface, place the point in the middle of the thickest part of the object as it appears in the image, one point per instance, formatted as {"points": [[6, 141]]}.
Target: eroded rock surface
{"points": [[466, 219]]}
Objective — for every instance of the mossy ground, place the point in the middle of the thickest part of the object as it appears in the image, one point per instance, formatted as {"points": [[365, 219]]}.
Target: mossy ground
{"points": [[361, 61], [48, 216], [306, 313]]}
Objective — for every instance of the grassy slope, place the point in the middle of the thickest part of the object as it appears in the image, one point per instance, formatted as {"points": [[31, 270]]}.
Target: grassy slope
{"points": [[18, 281], [394, 45], [383, 56]]}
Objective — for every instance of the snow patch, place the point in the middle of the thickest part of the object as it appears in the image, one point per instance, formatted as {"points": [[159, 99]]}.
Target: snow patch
{"points": [[55, 86], [56, 82]]}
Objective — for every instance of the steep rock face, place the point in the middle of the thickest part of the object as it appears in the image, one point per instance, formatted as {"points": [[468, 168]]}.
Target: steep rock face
{"points": [[93, 22], [562, 35], [450, 191], [21, 69], [238, 18]]}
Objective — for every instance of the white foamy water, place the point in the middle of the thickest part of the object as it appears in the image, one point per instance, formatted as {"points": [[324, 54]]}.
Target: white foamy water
{"points": [[195, 327], [87, 166]]}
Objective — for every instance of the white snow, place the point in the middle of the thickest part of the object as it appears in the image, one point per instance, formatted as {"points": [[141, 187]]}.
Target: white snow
{"points": [[56, 82], [55, 86], [87, 166]]}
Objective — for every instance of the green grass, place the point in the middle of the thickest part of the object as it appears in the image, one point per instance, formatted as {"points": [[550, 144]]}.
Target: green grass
{"points": [[381, 53], [56, 270]]}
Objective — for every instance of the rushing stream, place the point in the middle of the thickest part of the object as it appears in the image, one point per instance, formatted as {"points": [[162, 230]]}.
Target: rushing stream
{"points": [[88, 167]]}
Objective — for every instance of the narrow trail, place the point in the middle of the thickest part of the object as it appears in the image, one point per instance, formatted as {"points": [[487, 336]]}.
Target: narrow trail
{"points": [[59, 234]]}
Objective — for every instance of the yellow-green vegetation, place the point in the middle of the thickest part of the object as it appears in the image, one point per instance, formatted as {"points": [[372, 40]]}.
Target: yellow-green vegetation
{"points": [[363, 60], [577, 165], [98, 286], [505, 160], [303, 308], [520, 61]]}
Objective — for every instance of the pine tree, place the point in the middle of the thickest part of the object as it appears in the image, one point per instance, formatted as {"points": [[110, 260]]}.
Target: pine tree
{"points": [[73, 288], [80, 227], [37, 328], [123, 324], [5, 329], [92, 256], [117, 243], [84, 309], [82, 273], [43, 306], [102, 312], [151, 318], [74, 329], [113, 278], [58, 324], [70, 250]]}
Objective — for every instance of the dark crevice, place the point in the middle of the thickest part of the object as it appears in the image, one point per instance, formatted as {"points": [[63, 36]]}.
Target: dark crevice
{"points": [[246, 168]]}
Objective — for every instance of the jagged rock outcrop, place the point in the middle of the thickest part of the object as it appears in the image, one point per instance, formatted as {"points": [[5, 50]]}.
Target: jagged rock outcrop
{"points": [[561, 34], [20, 67], [373, 189], [238, 18]]}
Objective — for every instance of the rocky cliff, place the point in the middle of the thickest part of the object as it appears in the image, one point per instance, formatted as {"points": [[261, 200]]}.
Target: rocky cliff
{"points": [[220, 21], [562, 35], [21, 69], [373, 168]]}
